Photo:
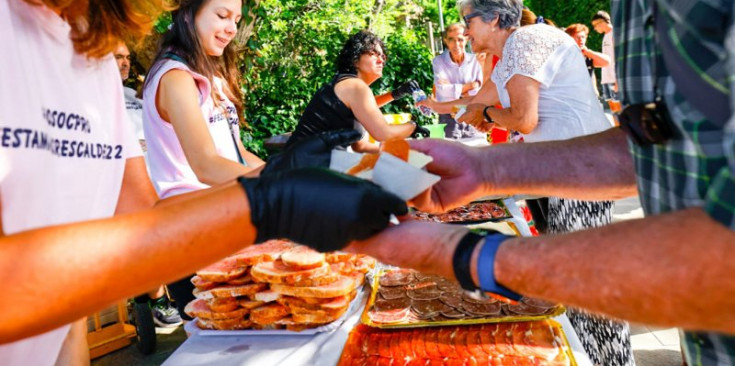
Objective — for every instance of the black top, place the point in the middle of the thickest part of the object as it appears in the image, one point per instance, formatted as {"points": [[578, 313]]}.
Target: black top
{"points": [[590, 65], [325, 112]]}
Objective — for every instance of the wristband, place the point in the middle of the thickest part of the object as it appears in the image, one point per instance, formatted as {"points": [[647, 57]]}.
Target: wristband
{"points": [[462, 258], [486, 267], [488, 119]]}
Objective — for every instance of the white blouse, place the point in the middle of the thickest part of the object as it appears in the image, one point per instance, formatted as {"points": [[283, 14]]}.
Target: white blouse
{"points": [[568, 106]]}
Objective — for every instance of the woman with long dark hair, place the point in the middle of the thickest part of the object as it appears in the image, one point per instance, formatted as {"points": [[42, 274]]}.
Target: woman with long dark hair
{"points": [[347, 102]]}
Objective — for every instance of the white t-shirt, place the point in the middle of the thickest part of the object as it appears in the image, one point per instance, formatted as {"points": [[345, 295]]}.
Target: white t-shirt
{"points": [[170, 171], [134, 107], [568, 106], [64, 139], [608, 48]]}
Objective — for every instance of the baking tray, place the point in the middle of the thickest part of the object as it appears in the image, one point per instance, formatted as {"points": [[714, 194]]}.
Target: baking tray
{"points": [[415, 322], [367, 345]]}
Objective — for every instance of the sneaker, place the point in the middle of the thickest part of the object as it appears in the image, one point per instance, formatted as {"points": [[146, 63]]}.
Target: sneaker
{"points": [[165, 315]]}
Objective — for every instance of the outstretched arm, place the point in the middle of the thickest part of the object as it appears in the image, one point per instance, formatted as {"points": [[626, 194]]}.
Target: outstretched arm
{"points": [[663, 270], [591, 167]]}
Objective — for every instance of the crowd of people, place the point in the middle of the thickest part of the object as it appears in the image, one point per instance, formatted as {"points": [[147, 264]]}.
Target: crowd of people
{"points": [[86, 220]]}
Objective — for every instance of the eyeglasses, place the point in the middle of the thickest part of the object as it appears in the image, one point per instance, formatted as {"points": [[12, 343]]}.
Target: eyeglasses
{"points": [[469, 17]]}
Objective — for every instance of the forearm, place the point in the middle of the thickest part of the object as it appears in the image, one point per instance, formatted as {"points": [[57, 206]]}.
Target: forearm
{"points": [[95, 263], [671, 270], [216, 170], [383, 99], [514, 119], [599, 59], [593, 167]]}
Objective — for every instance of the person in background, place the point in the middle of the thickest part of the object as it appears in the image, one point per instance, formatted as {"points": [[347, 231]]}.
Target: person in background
{"points": [[103, 237], [347, 102], [592, 59], [164, 314], [673, 268], [456, 74], [601, 24]]}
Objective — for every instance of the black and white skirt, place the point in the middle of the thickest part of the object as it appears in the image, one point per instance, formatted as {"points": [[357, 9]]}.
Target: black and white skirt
{"points": [[606, 341]]}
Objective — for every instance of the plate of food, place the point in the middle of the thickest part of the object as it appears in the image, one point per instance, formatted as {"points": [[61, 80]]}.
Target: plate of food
{"points": [[540, 342], [404, 298], [277, 287]]}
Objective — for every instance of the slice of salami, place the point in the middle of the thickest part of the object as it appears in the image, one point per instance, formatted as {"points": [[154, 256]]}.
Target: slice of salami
{"points": [[398, 277], [425, 293], [429, 307], [487, 309], [537, 302], [453, 299], [525, 309], [394, 292], [386, 305], [389, 317], [473, 298], [447, 285], [453, 314]]}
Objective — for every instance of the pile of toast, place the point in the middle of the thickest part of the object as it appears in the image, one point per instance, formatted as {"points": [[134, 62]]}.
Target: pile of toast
{"points": [[277, 285]]}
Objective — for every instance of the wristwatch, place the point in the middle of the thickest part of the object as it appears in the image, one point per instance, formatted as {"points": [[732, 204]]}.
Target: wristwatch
{"points": [[488, 119]]}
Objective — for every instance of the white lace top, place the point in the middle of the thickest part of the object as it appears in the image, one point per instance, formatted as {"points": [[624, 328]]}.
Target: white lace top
{"points": [[568, 106]]}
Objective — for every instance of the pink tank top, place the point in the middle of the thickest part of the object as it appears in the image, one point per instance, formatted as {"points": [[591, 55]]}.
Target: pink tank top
{"points": [[170, 171]]}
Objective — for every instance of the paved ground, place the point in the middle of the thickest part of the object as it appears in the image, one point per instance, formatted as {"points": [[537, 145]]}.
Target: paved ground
{"points": [[651, 346]]}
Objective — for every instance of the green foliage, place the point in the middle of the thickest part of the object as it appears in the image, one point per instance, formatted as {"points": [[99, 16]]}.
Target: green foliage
{"points": [[565, 13], [293, 50]]}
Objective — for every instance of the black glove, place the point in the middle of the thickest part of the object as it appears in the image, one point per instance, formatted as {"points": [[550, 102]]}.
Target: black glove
{"points": [[314, 151], [404, 89], [420, 132], [317, 207]]}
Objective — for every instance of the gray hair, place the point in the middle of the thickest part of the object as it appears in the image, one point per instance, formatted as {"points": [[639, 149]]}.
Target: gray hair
{"points": [[508, 12]]}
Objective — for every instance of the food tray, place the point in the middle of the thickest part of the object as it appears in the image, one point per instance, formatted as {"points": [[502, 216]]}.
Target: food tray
{"points": [[419, 310], [476, 212], [192, 328], [523, 343]]}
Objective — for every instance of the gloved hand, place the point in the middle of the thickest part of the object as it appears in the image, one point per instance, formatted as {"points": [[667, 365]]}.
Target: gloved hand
{"points": [[319, 208], [315, 151], [404, 89], [420, 132]]}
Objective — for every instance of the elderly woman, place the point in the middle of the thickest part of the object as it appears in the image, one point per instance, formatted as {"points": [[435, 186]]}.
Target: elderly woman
{"points": [[545, 92], [347, 102]]}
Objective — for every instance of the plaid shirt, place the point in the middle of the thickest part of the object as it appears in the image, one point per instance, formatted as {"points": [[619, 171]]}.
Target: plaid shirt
{"points": [[697, 168]]}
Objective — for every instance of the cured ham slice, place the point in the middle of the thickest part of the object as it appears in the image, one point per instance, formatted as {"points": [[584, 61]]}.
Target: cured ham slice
{"points": [[267, 251]]}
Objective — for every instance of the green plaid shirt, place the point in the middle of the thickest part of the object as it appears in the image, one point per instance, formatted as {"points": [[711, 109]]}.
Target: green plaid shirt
{"points": [[696, 169]]}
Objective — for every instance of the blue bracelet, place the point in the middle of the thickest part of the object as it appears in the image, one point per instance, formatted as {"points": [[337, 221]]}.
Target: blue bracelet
{"points": [[486, 267]]}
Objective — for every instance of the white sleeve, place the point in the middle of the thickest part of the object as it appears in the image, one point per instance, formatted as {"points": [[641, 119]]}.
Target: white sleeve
{"points": [[535, 54]]}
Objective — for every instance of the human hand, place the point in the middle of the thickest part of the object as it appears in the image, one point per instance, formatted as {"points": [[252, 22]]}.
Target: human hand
{"points": [[424, 246], [314, 151], [474, 116], [404, 89], [460, 169], [319, 208]]}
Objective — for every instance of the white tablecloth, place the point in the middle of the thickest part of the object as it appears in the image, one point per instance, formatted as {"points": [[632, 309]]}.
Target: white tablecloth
{"points": [[293, 350]]}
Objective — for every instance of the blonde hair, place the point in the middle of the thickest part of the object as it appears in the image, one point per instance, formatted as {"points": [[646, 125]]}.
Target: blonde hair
{"points": [[97, 26]]}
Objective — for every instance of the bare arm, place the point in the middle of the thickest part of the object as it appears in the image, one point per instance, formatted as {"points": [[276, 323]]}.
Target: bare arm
{"points": [[80, 268], [522, 115], [137, 192], [357, 96], [591, 167], [662, 270], [668, 270], [177, 101], [599, 59], [383, 99], [488, 95]]}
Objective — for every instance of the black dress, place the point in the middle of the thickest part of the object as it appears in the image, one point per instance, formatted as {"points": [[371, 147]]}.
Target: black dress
{"points": [[325, 112]]}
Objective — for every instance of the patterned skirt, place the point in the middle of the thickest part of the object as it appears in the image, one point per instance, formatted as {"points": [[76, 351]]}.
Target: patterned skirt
{"points": [[606, 341]]}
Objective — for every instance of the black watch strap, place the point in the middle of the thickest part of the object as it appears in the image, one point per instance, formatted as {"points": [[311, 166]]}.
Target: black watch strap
{"points": [[461, 260], [488, 119]]}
